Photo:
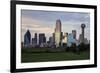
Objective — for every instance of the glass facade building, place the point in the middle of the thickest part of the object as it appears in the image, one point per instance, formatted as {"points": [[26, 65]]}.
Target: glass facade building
{"points": [[27, 38], [70, 40]]}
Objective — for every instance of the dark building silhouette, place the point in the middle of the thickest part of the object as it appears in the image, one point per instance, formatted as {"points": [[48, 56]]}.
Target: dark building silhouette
{"points": [[83, 27], [27, 38], [42, 38], [34, 40], [80, 38], [74, 33]]}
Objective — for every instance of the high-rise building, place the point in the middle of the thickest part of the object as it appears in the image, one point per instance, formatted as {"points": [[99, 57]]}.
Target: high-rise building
{"points": [[80, 38], [42, 38], [34, 40], [58, 34], [65, 38], [51, 41], [71, 40], [74, 33], [58, 26], [83, 27], [27, 38]]}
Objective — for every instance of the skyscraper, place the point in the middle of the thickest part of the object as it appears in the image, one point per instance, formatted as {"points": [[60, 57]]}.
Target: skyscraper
{"points": [[74, 33], [51, 41], [27, 38], [71, 40], [42, 38], [58, 26], [58, 33], [34, 40], [80, 38], [83, 27], [65, 38]]}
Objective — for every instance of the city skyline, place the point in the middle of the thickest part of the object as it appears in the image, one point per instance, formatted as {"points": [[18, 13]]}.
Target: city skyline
{"points": [[44, 22]]}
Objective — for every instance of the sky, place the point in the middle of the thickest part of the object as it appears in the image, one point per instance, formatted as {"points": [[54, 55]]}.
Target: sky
{"points": [[45, 21]]}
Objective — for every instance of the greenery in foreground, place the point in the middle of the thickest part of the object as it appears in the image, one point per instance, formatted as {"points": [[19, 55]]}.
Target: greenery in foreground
{"points": [[53, 56]]}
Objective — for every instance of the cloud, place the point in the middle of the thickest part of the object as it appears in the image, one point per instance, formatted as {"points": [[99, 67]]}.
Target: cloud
{"points": [[53, 15], [44, 22], [35, 26]]}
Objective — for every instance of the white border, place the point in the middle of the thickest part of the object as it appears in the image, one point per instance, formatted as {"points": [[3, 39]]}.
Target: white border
{"points": [[57, 63]]}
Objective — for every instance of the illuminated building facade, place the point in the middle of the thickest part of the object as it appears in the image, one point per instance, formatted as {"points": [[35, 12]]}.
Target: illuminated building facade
{"points": [[65, 38], [58, 34]]}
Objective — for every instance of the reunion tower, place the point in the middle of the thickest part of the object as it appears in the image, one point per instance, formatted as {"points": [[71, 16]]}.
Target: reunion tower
{"points": [[83, 27]]}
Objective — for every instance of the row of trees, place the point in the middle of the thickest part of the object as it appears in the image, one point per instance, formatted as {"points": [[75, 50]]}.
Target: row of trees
{"points": [[64, 48], [80, 47]]}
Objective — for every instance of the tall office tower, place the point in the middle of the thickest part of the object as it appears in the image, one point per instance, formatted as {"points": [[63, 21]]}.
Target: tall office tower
{"points": [[32, 41], [35, 38], [80, 38], [51, 41], [53, 35], [58, 26], [83, 27], [74, 33], [71, 40], [27, 38], [65, 38], [58, 33], [42, 38]]}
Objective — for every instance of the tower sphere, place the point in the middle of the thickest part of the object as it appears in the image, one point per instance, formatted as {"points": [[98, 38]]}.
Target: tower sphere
{"points": [[83, 25]]}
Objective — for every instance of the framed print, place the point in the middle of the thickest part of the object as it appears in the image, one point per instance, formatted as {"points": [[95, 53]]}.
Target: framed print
{"points": [[52, 36]]}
